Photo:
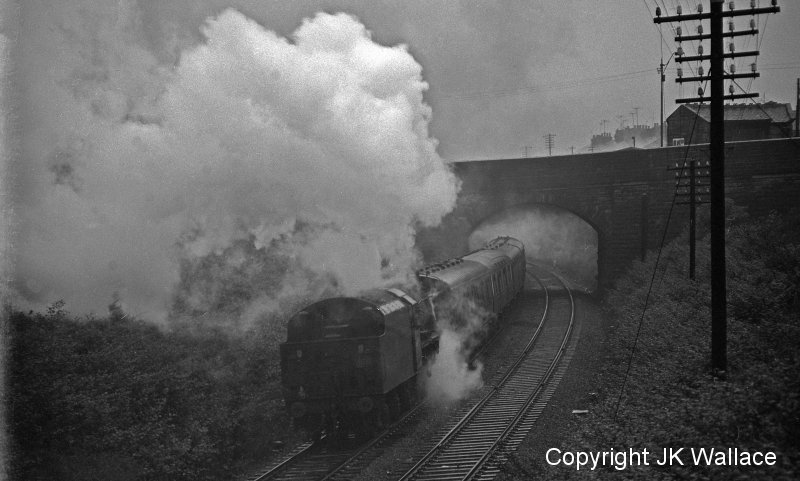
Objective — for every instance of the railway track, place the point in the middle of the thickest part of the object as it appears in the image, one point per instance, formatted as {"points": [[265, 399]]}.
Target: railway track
{"points": [[333, 461], [474, 447], [329, 461], [322, 461]]}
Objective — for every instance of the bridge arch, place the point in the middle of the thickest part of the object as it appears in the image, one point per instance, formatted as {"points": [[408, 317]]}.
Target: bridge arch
{"points": [[552, 235], [626, 196]]}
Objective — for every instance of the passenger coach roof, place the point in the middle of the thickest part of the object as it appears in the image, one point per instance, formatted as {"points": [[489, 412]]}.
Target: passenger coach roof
{"points": [[460, 272], [488, 258], [497, 253]]}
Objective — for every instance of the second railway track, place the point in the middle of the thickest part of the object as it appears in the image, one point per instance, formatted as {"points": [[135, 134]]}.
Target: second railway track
{"points": [[473, 446], [468, 449]]}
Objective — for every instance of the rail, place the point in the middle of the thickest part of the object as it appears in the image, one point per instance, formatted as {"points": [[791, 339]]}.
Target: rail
{"points": [[467, 453]]}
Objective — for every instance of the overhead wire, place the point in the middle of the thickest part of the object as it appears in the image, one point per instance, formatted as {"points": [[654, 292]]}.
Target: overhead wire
{"points": [[549, 87], [662, 65], [666, 226], [691, 68], [558, 86], [658, 259], [653, 275], [664, 40], [787, 133], [781, 66]]}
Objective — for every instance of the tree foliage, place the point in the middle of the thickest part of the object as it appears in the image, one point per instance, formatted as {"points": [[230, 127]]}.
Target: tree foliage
{"points": [[116, 398]]}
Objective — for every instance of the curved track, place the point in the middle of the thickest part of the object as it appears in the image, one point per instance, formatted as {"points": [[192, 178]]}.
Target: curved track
{"points": [[468, 450], [316, 461], [473, 447]]}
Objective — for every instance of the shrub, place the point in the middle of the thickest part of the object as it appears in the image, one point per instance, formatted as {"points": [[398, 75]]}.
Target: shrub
{"points": [[120, 399]]}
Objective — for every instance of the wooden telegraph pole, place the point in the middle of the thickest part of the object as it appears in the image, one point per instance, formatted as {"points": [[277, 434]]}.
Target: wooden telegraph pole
{"points": [[694, 191], [716, 146], [719, 301], [550, 141]]}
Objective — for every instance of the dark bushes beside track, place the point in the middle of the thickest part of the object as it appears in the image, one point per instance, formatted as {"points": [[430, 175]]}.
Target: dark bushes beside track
{"points": [[671, 399], [114, 398], [102, 399]]}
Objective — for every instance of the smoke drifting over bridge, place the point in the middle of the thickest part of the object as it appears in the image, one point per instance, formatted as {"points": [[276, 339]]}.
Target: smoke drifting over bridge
{"points": [[552, 236]]}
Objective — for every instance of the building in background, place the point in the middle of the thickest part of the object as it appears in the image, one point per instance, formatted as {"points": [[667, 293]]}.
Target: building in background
{"points": [[689, 123], [642, 136], [601, 141], [642, 133]]}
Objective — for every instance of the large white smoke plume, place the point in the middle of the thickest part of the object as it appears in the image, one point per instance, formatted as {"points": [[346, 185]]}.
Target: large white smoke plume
{"points": [[253, 171]]}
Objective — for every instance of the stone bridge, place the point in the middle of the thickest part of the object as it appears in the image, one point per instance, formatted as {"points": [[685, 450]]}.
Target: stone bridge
{"points": [[624, 195]]}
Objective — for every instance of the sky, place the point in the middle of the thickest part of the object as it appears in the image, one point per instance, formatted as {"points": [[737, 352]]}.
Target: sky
{"points": [[502, 75], [148, 142]]}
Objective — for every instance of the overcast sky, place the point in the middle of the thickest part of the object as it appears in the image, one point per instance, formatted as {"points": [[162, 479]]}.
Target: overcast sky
{"points": [[501, 75], [504, 74], [149, 134]]}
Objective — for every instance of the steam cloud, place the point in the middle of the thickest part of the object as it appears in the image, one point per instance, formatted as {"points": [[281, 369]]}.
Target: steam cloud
{"points": [[451, 377], [551, 235], [463, 326], [254, 171]]}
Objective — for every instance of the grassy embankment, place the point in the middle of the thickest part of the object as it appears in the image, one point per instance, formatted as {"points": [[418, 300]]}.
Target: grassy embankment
{"points": [[671, 399]]}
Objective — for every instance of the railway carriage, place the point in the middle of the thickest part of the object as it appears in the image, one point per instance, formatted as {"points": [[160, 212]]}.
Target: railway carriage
{"points": [[351, 363], [491, 276]]}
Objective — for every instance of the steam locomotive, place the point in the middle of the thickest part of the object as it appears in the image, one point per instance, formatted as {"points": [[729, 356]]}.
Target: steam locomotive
{"points": [[353, 361]]}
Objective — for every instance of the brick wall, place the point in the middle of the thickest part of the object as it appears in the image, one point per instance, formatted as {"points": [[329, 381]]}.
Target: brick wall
{"points": [[608, 190]]}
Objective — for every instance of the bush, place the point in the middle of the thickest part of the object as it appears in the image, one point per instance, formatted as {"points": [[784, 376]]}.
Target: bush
{"points": [[120, 399], [670, 398]]}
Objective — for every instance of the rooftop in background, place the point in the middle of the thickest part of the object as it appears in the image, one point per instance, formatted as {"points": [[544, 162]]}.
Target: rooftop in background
{"points": [[690, 123], [774, 111]]}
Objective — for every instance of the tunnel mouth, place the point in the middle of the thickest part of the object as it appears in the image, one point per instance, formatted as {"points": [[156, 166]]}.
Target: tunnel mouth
{"points": [[553, 236]]}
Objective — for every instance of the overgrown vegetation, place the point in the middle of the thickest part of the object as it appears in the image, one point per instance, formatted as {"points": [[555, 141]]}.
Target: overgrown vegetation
{"points": [[671, 399], [114, 398]]}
